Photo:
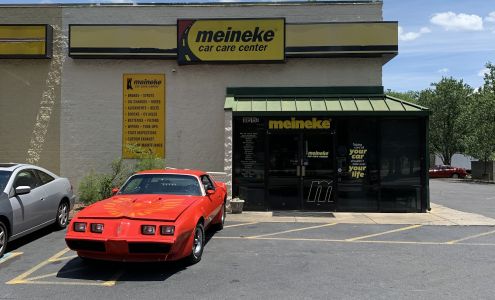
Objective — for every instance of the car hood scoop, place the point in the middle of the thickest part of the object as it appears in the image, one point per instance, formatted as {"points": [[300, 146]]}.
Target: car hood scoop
{"points": [[150, 207]]}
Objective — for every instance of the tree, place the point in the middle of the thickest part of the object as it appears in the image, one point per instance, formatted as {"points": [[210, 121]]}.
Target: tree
{"points": [[480, 120], [447, 101], [410, 96]]}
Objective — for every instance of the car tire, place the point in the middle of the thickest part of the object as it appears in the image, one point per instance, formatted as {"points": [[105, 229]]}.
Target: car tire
{"points": [[62, 215], [223, 215], [197, 244], [4, 237], [455, 176]]}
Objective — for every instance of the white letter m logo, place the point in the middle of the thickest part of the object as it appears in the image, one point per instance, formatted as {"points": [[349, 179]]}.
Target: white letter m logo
{"points": [[320, 191]]}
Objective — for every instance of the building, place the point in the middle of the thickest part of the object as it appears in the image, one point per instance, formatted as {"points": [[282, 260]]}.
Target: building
{"points": [[286, 98]]}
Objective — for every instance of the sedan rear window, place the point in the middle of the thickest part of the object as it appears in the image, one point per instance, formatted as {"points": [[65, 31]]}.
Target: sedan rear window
{"points": [[169, 184], [4, 178]]}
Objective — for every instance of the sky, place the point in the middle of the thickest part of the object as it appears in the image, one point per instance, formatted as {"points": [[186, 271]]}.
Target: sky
{"points": [[437, 38]]}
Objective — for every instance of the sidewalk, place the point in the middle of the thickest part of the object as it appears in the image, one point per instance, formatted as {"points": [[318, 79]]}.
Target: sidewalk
{"points": [[439, 215]]}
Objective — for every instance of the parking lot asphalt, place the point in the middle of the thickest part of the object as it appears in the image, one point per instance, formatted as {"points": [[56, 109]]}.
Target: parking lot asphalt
{"points": [[464, 195], [272, 260]]}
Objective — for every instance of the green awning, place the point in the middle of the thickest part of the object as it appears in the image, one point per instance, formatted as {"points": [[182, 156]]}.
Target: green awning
{"points": [[360, 105]]}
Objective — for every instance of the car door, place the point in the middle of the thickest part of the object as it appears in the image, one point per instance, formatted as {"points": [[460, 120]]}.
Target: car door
{"points": [[214, 202], [434, 172], [26, 208], [51, 192]]}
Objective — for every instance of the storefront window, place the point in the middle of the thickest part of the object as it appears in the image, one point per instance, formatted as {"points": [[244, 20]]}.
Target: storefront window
{"points": [[249, 161], [400, 170], [357, 164]]}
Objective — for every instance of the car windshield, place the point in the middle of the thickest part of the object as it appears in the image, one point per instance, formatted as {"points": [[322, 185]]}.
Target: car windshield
{"points": [[4, 178], [170, 184]]}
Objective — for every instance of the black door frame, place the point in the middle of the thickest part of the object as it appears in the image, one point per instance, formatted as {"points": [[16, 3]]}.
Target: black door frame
{"points": [[300, 134]]}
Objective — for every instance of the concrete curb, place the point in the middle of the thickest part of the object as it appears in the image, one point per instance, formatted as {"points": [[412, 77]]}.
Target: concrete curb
{"points": [[439, 215]]}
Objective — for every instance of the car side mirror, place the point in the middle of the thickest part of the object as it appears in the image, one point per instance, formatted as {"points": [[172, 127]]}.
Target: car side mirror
{"points": [[23, 189], [210, 192], [115, 191]]}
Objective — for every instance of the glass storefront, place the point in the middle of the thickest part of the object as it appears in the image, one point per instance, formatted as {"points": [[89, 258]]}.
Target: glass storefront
{"points": [[332, 164]]}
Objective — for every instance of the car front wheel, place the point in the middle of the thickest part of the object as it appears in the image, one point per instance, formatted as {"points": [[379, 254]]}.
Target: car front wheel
{"points": [[3, 238], [62, 215], [455, 175], [198, 244]]}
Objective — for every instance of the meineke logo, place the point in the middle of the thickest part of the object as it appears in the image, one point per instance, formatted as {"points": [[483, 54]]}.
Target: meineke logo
{"points": [[320, 191], [147, 82]]}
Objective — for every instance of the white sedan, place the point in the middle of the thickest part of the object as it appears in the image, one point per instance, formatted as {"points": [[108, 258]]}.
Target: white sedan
{"points": [[31, 198]]}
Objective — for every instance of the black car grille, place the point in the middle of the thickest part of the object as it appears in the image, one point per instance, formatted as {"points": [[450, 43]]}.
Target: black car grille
{"points": [[86, 245], [157, 248]]}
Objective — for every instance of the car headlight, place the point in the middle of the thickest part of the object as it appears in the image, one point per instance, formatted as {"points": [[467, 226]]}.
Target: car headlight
{"points": [[96, 227], [80, 226], [167, 230], [148, 229]]}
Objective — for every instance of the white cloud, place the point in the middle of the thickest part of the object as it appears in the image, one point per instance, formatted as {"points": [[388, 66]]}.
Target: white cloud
{"points": [[491, 17], [457, 22], [411, 36], [443, 70], [482, 72]]}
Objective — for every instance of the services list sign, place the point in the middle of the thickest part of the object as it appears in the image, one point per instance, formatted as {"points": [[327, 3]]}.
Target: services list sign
{"points": [[144, 114], [231, 40]]}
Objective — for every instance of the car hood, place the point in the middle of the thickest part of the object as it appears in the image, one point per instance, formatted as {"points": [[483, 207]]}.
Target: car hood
{"points": [[149, 207]]}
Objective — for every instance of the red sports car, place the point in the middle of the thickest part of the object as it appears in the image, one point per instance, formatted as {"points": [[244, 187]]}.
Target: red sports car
{"points": [[157, 215], [444, 171]]}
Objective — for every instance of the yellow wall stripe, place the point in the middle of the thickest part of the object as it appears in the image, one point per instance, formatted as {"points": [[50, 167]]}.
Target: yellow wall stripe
{"points": [[142, 40], [342, 34], [21, 40], [116, 36]]}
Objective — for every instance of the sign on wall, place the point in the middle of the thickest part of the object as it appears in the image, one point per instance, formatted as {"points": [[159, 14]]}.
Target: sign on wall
{"points": [[295, 123], [230, 40], [144, 114]]}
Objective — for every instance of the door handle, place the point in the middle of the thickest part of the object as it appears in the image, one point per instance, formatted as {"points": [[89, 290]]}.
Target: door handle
{"points": [[42, 199], [298, 170], [303, 171]]}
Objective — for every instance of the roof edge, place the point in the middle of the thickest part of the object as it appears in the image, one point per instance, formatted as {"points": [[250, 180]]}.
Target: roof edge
{"points": [[233, 3]]}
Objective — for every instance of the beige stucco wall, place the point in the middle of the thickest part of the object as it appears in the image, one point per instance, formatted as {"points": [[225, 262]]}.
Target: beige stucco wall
{"points": [[90, 111], [30, 97]]}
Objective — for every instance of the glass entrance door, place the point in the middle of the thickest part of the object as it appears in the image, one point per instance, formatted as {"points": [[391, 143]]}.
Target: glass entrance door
{"points": [[284, 171], [300, 171]]}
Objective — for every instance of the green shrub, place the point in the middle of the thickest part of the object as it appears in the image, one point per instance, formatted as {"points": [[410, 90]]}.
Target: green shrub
{"points": [[146, 160], [90, 188], [95, 187]]}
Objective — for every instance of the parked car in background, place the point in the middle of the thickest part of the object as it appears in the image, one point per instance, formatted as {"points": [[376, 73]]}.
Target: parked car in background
{"points": [[443, 171], [157, 215], [31, 198]]}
